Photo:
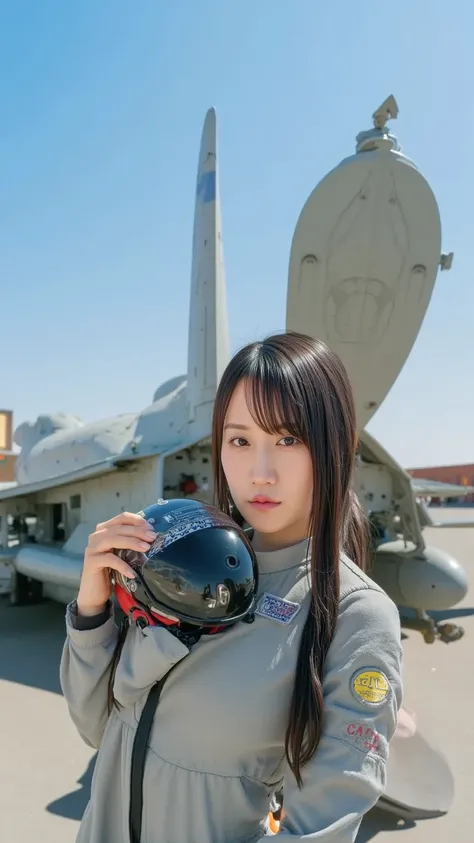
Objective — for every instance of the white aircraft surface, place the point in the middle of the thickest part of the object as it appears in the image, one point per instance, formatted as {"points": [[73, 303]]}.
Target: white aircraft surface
{"points": [[363, 264]]}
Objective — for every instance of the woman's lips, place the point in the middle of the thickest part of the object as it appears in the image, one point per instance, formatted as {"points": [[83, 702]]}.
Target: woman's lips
{"points": [[263, 504]]}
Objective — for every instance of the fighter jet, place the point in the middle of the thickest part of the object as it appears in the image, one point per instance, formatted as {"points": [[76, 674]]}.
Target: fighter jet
{"points": [[363, 263]]}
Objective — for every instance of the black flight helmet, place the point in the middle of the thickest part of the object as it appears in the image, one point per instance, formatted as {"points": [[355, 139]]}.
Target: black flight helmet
{"points": [[201, 569]]}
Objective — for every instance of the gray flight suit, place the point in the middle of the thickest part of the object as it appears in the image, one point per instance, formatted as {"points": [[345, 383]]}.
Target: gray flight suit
{"points": [[216, 750]]}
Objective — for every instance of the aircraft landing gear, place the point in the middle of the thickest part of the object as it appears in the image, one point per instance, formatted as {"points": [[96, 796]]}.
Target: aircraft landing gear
{"points": [[450, 632], [25, 591], [431, 630]]}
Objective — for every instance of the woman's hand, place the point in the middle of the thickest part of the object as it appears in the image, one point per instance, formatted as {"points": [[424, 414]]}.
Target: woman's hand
{"points": [[127, 531]]}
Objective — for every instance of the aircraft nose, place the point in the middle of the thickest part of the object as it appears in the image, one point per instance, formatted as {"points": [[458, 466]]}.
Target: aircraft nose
{"points": [[439, 581]]}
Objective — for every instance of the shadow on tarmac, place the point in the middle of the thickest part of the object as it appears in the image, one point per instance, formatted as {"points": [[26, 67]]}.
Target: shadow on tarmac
{"points": [[72, 805], [31, 642], [376, 821]]}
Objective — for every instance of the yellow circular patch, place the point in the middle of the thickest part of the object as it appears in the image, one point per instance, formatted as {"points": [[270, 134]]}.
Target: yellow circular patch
{"points": [[370, 686]]}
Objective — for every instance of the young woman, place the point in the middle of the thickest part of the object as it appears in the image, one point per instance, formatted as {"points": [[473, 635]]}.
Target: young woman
{"points": [[306, 696]]}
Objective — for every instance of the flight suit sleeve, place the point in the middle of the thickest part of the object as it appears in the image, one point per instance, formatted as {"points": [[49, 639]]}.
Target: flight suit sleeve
{"points": [[362, 695], [86, 664], [84, 671]]}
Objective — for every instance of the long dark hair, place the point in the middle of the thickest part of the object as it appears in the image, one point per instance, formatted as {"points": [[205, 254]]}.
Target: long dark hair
{"points": [[296, 384]]}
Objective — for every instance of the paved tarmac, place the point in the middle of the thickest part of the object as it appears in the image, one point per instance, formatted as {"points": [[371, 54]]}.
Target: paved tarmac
{"points": [[45, 769]]}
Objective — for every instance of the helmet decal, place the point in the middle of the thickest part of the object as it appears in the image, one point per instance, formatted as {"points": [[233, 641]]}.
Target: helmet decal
{"points": [[184, 521]]}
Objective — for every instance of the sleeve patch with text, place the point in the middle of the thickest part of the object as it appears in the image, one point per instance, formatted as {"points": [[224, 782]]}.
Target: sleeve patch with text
{"points": [[365, 738]]}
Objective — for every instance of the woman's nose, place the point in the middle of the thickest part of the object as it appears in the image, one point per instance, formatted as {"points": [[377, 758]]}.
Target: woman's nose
{"points": [[263, 471]]}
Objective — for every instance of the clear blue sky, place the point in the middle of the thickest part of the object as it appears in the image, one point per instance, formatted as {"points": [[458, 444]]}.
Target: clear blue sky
{"points": [[101, 110]]}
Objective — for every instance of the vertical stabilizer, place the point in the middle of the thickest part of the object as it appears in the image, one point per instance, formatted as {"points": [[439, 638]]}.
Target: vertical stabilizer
{"points": [[208, 343]]}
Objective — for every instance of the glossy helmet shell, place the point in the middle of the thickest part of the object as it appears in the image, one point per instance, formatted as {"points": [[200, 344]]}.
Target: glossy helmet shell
{"points": [[200, 570]]}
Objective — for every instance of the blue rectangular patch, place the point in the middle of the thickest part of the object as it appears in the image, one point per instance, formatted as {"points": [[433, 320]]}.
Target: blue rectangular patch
{"points": [[276, 608], [206, 188]]}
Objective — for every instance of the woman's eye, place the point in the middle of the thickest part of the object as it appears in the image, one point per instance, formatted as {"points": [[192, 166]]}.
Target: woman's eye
{"points": [[239, 441], [289, 440]]}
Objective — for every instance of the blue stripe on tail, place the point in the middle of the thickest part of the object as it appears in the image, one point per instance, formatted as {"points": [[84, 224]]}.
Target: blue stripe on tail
{"points": [[206, 187]]}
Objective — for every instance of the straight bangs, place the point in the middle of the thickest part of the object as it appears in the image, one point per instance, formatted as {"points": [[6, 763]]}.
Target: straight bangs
{"points": [[274, 399]]}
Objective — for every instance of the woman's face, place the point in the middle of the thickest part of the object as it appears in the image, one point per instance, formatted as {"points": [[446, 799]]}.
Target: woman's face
{"points": [[270, 477]]}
